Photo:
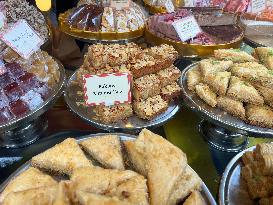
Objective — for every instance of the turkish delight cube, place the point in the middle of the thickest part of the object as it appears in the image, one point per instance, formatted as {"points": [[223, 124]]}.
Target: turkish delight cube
{"points": [[28, 81], [32, 99], [15, 69], [18, 108], [13, 91], [5, 115]]}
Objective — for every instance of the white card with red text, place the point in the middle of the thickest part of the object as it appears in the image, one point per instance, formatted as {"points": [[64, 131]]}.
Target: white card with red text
{"points": [[187, 28], [107, 89], [257, 6], [22, 38]]}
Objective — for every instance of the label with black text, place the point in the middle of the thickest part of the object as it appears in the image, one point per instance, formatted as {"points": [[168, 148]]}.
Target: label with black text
{"points": [[22, 38], [107, 89]]}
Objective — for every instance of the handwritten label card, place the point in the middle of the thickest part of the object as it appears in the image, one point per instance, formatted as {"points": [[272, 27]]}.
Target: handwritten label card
{"points": [[169, 6], [120, 4], [187, 28], [22, 38], [107, 89], [258, 5]]}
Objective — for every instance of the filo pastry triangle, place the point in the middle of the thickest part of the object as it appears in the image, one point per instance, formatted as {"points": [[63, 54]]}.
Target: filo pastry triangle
{"points": [[63, 158], [160, 161], [127, 185], [47, 195], [31, 178], [106, 150], [86, 198]]}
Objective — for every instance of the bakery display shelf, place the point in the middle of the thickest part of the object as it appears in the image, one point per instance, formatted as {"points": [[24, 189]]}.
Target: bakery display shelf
{"points": [[233, 189], [124, 137], [98, 37], [187, 50], [221, 130], [26, 129], [75, 100]]}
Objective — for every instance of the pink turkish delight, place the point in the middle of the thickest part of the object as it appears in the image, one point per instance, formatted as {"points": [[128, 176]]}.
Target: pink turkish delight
{"points": [[236, 6], [18, 108], [5, 79], [32, 99], [43, 90], [28, 81], [13, 91], [4, 102], [5, 115], [15, 69]]}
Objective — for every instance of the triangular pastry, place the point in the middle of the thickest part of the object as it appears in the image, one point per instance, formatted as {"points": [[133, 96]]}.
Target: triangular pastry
{"points": [[234, 107], [266, 56], [63, 158], [195, 199], [260, 115], [218, 82], [162, 171], [87, 198], [31, 178], [235, 55], [244, 92], [211, 66], [206, 94], [126, 185], [194, 77], [106, 150], [187, 183], [267, 93], [48, 195]]}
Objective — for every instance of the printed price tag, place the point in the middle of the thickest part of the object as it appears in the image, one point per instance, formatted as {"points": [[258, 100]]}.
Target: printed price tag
{"points": [[22, 38], [107, 89], [258, 5], [187, 28], [120, 4], [169, 6]]}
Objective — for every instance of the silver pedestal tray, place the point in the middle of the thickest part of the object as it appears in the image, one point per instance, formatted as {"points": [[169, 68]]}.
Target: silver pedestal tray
{"points": [[75, 100], [221, 130], [124, 137], [233, 189], [26, 129]]}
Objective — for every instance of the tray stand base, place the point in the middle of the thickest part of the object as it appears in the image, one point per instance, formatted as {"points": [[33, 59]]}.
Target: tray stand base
{"points": [[222, 139], [24, 134]]}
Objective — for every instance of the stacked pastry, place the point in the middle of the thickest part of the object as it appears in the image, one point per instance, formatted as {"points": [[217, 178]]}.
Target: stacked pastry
{"points": [[238, 83], [154, 74], [161, 177], [258, 174]]}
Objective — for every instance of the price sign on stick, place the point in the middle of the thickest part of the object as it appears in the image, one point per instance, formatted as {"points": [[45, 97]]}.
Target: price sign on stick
{"points": [[187, 28], [120, 4], [169, 6], [107, 89], [22, 38], [258, 5]]}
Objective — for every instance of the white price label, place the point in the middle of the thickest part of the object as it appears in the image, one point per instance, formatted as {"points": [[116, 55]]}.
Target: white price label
{"points": [[169, 6], [107, 89], [120, 4], [258, 5], [22, 38], [187, 28]]}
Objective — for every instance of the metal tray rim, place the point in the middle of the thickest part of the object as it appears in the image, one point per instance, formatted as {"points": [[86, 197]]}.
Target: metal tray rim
{"points": [[41, 109], [23, 167], [266, 132], [111, 126], [226, 175]]}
